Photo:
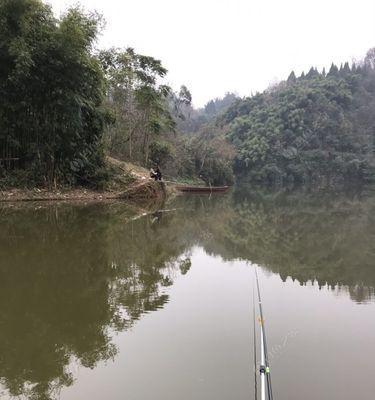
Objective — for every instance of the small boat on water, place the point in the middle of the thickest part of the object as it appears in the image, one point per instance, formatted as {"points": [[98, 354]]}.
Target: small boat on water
{"points": [[202, 189]]}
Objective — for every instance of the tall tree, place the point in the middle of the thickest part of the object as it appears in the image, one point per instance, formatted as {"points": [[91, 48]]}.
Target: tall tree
{"points": [[370, 58], [52, 88], [333, 71], [292, 78], [138, 101]]}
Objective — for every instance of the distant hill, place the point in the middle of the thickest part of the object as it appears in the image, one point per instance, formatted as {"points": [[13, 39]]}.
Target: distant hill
{"points": [[319, 127]]}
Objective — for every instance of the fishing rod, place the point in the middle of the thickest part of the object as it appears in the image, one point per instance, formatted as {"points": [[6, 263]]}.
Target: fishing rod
{"points": [[264, 370], [255, 352]]}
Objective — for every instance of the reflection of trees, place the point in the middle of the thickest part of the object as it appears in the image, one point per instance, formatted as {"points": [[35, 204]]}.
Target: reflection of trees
{"points": [[64, 286], [324, 238], [329, 240], [69, 276]]}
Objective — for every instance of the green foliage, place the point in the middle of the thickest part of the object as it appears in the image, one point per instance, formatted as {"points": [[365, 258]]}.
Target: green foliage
{"points": [[137, 100], [54, 125], [315, 128], [52, 88], [66, 304], [213, 157], [63, 107], [206, 156], [160, 152]]}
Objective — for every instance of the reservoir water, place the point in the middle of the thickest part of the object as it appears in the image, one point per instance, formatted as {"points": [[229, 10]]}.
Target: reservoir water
{"points": [[102, 301]]}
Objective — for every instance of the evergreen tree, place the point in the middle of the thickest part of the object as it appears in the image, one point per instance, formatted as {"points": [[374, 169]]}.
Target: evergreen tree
{"points": [[210, 108], [292, 78], [312, 73], [333, 71], [346, 68]]}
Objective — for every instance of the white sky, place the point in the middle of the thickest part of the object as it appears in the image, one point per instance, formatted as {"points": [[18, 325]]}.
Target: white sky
{"points": [[215, 46]]}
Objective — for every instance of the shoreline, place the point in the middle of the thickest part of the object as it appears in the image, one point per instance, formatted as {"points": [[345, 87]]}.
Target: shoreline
{"points": [[26, 195], [129, 182], [148, 190]]}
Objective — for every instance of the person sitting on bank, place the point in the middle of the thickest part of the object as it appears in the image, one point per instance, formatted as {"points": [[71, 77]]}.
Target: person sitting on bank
{"points": [[155, 173], [158, 173]]}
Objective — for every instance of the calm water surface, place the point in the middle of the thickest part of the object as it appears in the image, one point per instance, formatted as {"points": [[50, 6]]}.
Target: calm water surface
{"points": [[97, 302]]}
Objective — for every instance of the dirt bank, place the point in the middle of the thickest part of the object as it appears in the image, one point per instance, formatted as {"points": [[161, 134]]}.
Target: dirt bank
{"points": [[128, 181]]}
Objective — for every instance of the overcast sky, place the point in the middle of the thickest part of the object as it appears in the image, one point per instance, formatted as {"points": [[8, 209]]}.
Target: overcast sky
{"points": [[215, 46]]}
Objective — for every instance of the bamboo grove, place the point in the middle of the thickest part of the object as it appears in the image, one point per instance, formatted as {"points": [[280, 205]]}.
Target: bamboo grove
{"points": [[51, 89]]}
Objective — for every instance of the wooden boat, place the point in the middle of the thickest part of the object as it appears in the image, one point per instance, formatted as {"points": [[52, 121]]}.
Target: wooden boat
{"points": [[202, 189]]}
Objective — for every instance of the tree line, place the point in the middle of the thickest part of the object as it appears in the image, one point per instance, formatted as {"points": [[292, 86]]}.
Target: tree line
{"points": [[315, 128], [65, 106]]}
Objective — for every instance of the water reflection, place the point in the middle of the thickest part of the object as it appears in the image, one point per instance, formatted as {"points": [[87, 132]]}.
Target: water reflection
{"points": [[71, 275], [324, 238], [328, 239], [68, 276]]}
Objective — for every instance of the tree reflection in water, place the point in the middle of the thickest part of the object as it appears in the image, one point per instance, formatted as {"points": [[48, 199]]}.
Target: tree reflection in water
{"points": [[72, 275], [326, 239], [69, 276]]}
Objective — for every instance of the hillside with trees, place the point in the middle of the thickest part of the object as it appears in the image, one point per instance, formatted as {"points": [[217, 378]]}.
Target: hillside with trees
{"points": [[66, 106], [317, 128]]}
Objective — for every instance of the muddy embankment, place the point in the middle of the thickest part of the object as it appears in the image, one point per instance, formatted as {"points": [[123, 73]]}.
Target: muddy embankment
{"points": [[128, 182]]}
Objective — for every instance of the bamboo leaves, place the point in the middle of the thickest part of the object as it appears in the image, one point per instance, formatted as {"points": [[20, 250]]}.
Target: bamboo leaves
{"points": [[52, 88]]}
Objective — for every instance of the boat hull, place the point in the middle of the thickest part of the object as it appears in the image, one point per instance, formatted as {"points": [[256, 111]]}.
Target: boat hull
{"points": [[202, 189]]}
